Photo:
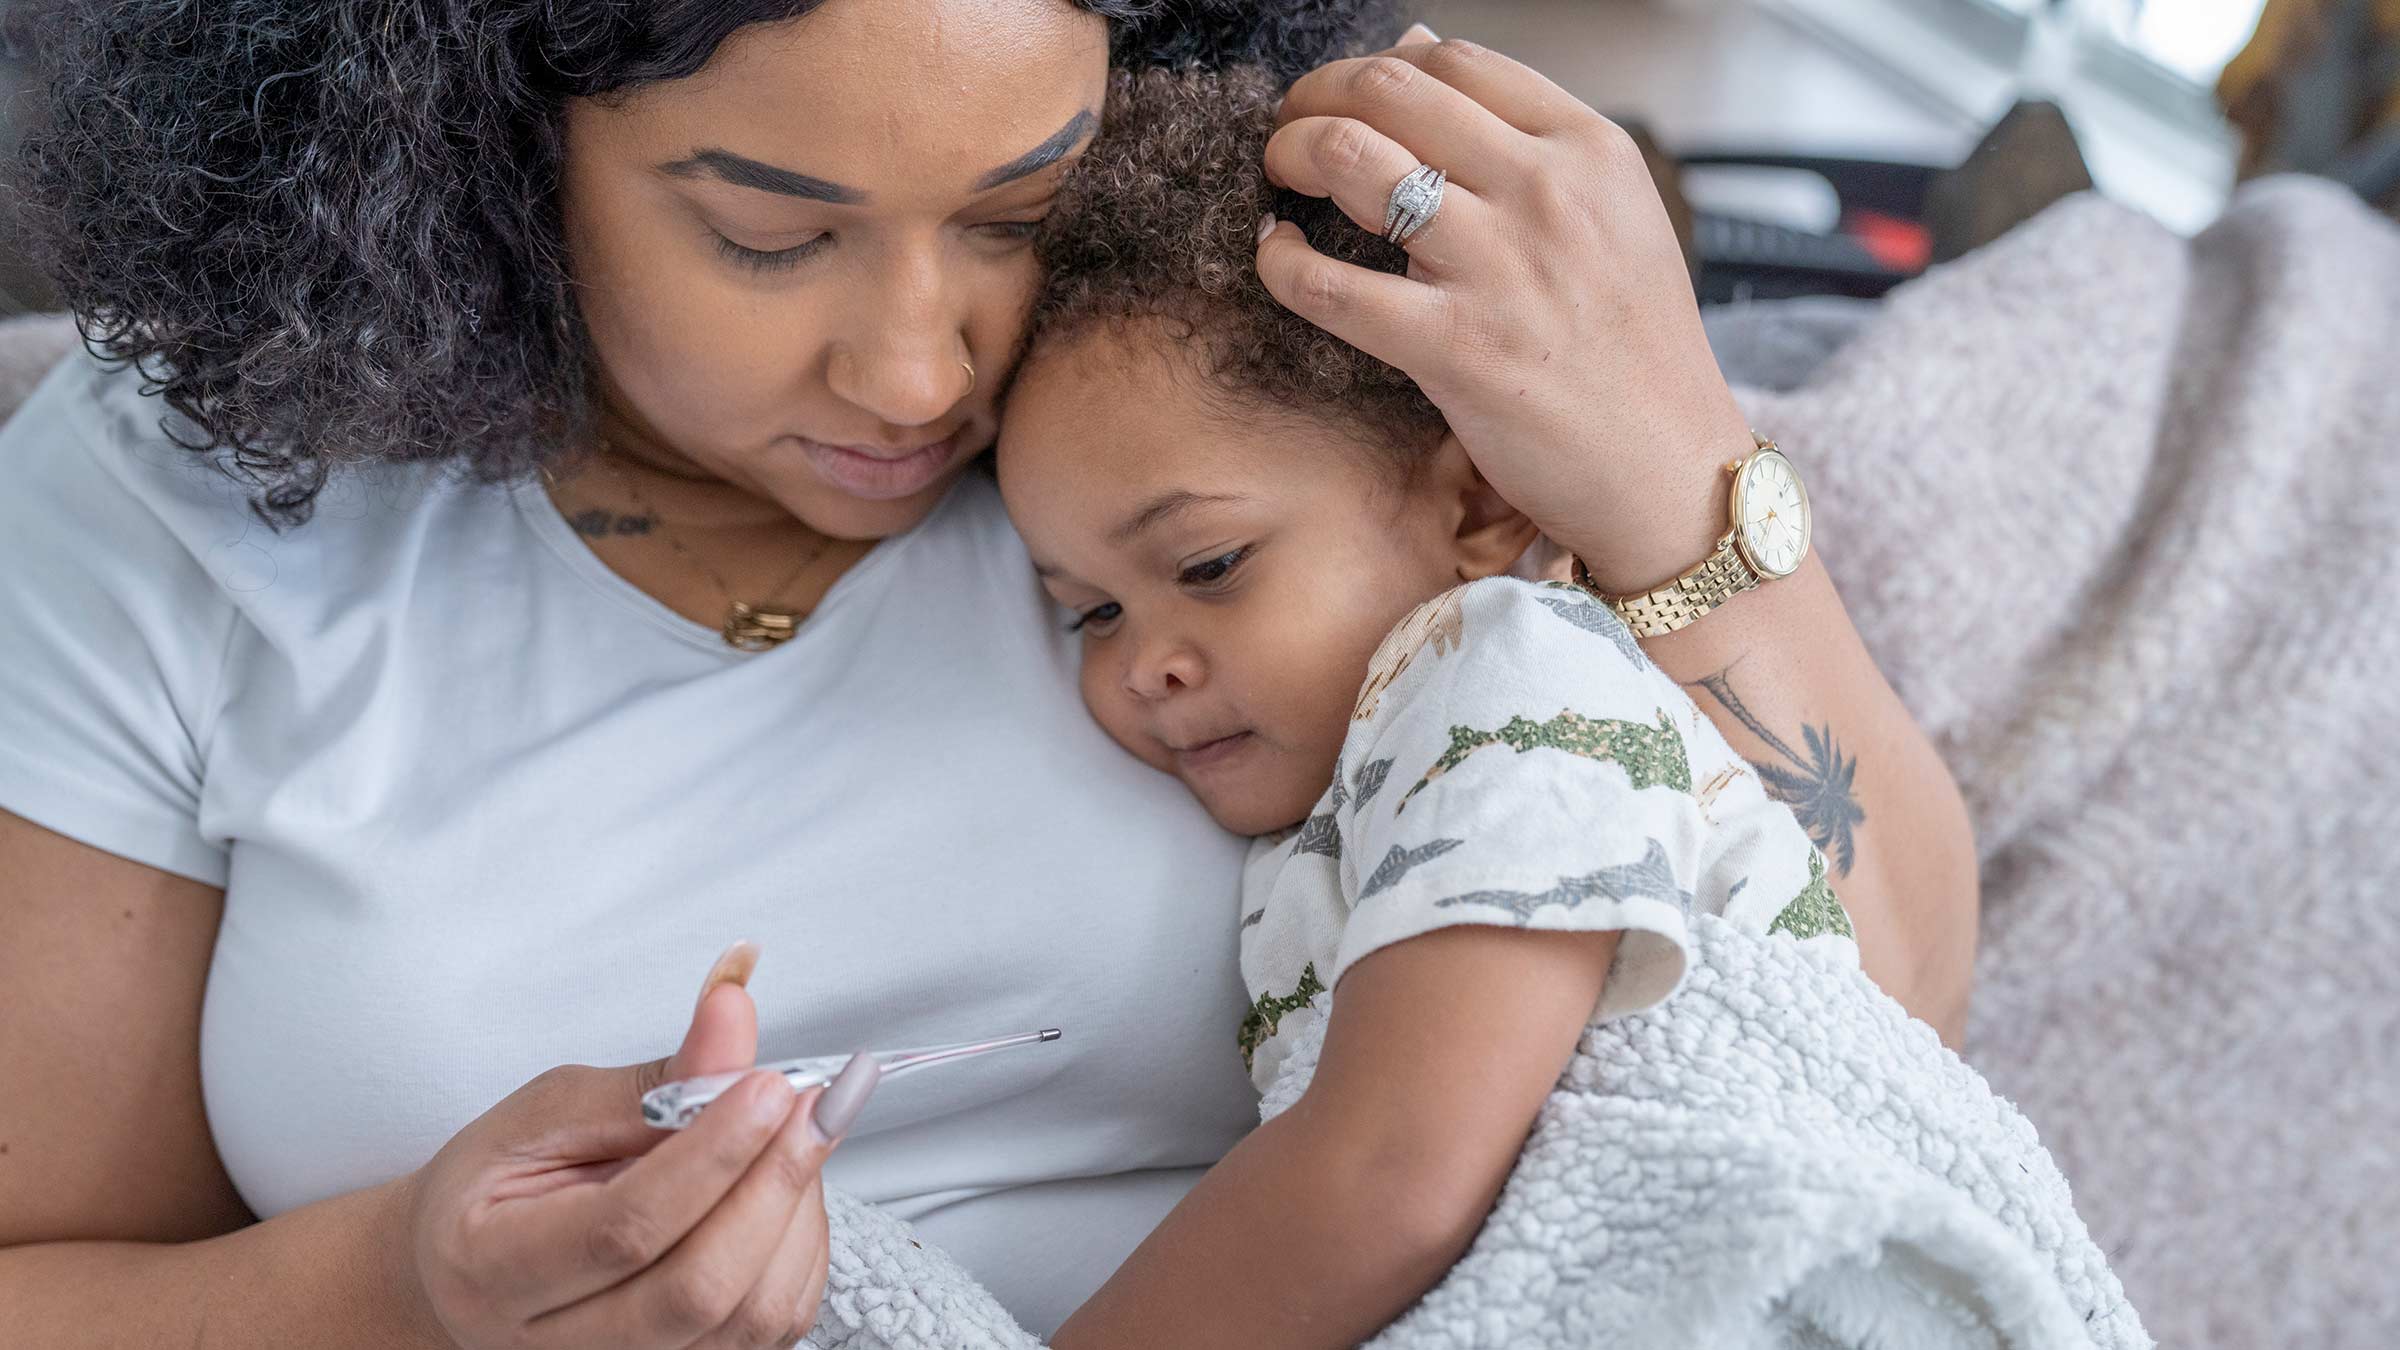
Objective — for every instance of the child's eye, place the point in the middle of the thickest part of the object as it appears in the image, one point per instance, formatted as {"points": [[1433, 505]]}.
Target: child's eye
{"points": [[1096, 620], [1215, 570]]}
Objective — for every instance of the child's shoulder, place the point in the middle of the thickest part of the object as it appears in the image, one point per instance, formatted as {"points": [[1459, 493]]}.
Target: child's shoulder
{"points": [[1509, 612], [1527, 627], [1552, 611]]}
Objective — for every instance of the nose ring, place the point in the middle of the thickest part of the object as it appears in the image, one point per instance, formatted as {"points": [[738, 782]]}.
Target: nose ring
{"points": [[970, 369]]}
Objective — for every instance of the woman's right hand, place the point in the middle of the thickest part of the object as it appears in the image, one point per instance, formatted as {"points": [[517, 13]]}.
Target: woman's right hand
{"points": [[558, 1218]]}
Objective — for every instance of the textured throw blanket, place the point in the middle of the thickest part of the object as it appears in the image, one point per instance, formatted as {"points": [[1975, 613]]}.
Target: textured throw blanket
{"points": [[2119, 514], [1778, 1158]]}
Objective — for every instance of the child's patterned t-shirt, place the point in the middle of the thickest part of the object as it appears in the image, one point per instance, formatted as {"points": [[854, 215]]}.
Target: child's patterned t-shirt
{"points": [[1514, 759]]}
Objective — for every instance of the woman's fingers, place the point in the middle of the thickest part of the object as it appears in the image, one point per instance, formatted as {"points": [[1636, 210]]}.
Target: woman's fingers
{"points": [[1358, 166], [595, 1115], [1507, 90], [1392, 318], [577, 1242], [690, 1289], [1433, 121], [783, 1304]]}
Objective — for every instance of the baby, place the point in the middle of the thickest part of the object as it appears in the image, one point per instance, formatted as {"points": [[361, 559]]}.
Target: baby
{"points": [[1483, 817]]}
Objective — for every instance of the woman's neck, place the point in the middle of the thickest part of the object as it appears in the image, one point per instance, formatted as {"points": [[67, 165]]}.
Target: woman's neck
{"points": [[680, 487]]}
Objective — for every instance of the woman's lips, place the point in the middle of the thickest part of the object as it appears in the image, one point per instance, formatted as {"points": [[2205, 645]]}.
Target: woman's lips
{"points": [[882, 475], [1211, 754]]}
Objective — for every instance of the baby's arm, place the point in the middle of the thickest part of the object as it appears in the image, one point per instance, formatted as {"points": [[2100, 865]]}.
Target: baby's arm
{"points": [[1331, 1219]]}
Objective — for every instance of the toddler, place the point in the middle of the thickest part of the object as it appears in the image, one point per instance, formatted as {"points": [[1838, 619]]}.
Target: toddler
{"points": [[1482, 815]]}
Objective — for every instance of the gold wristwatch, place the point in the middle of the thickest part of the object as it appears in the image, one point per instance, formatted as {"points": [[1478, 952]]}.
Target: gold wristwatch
{"points": [[1767, 541]]}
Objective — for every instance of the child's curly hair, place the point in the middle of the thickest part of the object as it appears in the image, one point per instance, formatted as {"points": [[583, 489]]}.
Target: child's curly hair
{"points": [[1159, 222]]}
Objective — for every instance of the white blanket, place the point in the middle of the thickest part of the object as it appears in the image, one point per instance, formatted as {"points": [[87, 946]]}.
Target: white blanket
{"points": [[1777, 1157]]}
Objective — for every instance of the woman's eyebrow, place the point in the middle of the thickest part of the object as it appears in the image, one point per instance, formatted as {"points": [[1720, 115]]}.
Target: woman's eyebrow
{"points": [[1044, 155], [742, 171]]}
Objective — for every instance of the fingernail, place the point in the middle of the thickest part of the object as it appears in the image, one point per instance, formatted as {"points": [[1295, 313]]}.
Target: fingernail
{"points": [[733, 967], [1418, 35], [1266, 226], [843, 1098]]}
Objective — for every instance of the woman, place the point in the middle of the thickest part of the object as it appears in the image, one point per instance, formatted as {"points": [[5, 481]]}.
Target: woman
{"points": [[601, 578]]}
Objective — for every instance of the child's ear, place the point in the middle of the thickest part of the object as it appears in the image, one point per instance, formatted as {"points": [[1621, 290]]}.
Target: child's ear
{"points": [[1491, 534]]}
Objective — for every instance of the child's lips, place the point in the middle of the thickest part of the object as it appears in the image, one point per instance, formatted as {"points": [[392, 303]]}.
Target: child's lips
{"points": [[1205, 755]]}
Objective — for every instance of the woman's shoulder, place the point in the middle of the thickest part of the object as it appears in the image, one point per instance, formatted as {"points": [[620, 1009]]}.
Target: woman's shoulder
{"points": [[101, 478]]}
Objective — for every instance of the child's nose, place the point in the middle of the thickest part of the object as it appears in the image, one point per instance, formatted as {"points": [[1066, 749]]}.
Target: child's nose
{"points": [[1163, 667]]}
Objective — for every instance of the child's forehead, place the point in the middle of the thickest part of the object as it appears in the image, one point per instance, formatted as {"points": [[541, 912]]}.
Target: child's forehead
{"points": [[1131, 403], [1090, 390]]}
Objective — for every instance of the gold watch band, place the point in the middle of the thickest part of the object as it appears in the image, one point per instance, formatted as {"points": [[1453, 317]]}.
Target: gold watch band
{"points": [[1679, 604]]}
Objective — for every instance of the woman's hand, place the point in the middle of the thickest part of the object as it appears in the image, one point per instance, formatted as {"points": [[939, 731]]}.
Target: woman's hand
{"points": [[558, 1218], [1546, 310]]}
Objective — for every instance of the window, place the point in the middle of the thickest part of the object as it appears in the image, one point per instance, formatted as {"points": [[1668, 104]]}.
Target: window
{"points": [[2136, 78], [2192, 39]]}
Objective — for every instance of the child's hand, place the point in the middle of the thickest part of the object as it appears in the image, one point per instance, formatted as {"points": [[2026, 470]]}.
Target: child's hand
{"points": [[1547, 309]]}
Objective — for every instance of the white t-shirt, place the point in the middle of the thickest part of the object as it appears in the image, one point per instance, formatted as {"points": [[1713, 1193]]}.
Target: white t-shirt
{"points": [[479, 807], [1515, 760]]}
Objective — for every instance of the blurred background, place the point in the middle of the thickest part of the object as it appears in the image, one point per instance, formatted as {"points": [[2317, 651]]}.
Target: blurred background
{"points": [[1809, 138], [1839, 146]]}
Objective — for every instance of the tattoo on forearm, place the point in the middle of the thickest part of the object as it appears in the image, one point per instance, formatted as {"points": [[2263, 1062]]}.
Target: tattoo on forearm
{"points": [[597, 523], [1817, 786]]}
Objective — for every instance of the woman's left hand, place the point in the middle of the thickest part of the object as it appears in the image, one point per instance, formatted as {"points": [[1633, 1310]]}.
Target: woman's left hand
{"points": [[1546, 310]]}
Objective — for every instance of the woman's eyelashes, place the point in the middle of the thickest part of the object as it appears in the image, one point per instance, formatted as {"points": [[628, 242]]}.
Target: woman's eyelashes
{"points": [[772, 260], [1010, 234]]}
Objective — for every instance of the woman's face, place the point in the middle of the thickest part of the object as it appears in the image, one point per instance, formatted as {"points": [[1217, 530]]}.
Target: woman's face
{"points": [[788, 260]]}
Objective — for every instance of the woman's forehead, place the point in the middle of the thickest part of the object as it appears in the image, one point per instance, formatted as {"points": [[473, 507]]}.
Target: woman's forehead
{"points": [[890, 96]]}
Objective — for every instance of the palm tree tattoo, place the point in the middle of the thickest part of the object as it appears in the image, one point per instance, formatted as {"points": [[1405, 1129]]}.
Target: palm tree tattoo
{"points": [[1817, 786]]}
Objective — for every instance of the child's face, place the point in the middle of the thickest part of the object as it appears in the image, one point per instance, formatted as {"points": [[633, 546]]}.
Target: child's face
{"points": [[1231, 581]]}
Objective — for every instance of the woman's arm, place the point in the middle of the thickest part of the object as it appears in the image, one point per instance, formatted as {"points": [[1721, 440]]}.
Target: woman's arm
{"points": [[1331, 1219], [1783, 674], [1548, 313], [118, 1224], [555, 1219]]}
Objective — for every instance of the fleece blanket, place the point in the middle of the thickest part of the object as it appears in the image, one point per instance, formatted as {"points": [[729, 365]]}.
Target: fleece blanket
{"points": [[1777, 1158], [2119, 514]]}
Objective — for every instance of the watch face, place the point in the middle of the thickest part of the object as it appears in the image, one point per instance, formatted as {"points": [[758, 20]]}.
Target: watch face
{"points": [[1771, 514]]}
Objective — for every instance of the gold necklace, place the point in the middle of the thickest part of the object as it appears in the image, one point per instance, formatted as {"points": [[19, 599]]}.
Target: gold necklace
{"points": [[748, 627]]}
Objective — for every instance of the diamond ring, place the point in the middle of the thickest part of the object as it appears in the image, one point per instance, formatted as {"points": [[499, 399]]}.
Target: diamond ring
{"points": [[1415, 201]]}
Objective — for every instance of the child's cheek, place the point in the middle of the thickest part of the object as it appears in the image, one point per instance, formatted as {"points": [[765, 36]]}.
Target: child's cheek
{"points": [[1105, 698]]}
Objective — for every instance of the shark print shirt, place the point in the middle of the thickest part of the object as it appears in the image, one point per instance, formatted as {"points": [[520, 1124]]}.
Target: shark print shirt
{"points": [[1514, 759]]}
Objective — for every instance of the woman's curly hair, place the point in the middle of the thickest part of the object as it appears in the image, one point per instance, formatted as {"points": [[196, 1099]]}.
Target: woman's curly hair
{"points": [[1159, 221], [327, 231]]}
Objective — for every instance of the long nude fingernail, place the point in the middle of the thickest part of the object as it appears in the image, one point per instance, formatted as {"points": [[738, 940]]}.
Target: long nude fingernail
{"points": [[843, 1098], [1418, 35], [1266, 226], [733, 966]]}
